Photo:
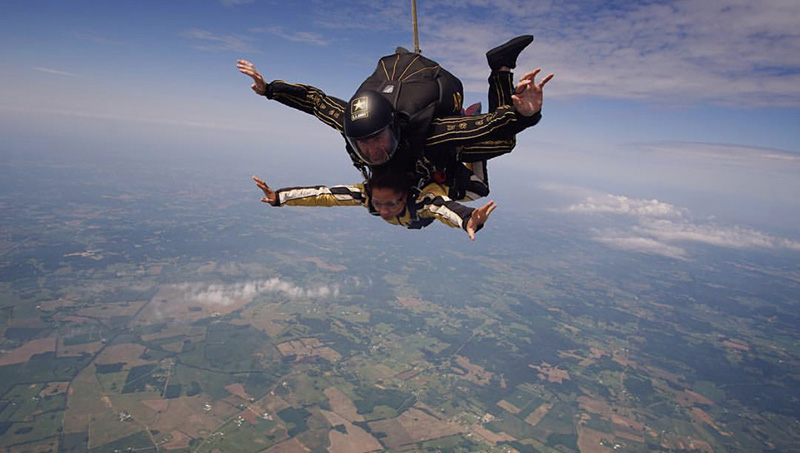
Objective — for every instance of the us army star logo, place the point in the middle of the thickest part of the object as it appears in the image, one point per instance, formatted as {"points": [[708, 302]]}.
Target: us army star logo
{"points": [[359, 108]]}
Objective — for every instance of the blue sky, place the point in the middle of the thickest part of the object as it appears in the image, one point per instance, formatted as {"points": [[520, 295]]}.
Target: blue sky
{"points": [[652, 100]]}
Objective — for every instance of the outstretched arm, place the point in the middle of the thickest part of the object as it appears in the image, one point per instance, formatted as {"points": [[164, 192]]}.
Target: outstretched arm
{"points": [[308, 99], [434, 202], [248, 69], [501, 124], [529, 94], [479, 217], [352, 195]]}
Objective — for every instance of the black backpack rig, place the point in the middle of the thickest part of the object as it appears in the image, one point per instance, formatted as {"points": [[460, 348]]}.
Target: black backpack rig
{"points": [[419, 90]]}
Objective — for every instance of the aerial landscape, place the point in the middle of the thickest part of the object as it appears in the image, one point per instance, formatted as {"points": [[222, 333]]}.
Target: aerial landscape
{"points": [[133, 323], [636, 290]]}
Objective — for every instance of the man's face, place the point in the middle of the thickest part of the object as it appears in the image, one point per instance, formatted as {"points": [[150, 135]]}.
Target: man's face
{"points": [[378, 148], [388, 202]]}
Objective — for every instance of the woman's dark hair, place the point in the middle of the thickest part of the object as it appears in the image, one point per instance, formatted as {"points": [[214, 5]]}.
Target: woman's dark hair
{"points": [[399, 182]]}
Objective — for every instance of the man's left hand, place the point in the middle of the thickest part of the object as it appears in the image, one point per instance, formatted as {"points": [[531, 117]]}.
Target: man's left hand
{"points": [[248, 69], [529, 94]]}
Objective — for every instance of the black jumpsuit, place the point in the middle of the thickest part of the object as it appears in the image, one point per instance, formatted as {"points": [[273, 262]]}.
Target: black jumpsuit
{"points": [[479, 137]]}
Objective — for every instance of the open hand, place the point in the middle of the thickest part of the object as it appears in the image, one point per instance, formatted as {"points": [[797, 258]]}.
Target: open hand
{"points": [[248, 69], [270, 196], [479, 217], [529, 94]]}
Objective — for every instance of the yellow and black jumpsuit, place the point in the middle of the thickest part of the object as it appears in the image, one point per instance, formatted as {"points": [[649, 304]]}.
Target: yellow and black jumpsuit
{"points": [[432, 203]]}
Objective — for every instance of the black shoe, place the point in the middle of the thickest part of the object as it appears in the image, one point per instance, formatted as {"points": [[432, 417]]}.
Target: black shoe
{"points": [[506, 54]]}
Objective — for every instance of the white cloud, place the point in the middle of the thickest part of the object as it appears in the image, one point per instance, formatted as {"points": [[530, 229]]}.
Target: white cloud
{"points": [[730, 237], [133, 118], [92, 36], [676, 52], [750, 182], [567, 190], [723, 154], [226, 294], [235, 2], [213, 42], [295, 36], [365, 15], [55, 71], [660, 228], [619, 204], [639, 244], [733, 52]]}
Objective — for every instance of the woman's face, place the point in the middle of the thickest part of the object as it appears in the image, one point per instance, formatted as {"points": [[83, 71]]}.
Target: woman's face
{"points": [[388, 202]]}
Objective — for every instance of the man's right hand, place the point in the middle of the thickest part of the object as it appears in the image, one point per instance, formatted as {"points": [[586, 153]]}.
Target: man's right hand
{"points": [[270, 197], [479, 217], [248, 69]]}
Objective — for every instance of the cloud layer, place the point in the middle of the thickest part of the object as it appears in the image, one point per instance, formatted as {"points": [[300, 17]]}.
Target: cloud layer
{"points": [[734, 52], [227, 294], [54, 71], [658, 228], [721, 236], [619, 204], [214, 42], [295, 36]]}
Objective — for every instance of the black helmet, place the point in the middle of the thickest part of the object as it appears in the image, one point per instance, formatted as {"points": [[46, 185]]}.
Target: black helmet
{"points": [[369, 128]]}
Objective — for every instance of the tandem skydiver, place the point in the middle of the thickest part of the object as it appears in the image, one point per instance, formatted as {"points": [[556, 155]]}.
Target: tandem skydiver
{"points": [[404, 200], [374, 140]]}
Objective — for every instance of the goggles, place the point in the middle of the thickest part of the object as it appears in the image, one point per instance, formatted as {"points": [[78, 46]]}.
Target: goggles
{"points": [[375, 149], [378, 205]]}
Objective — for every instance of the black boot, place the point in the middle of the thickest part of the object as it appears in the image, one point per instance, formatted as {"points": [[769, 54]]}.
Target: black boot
{"points": [[506, 54]]}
